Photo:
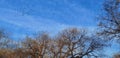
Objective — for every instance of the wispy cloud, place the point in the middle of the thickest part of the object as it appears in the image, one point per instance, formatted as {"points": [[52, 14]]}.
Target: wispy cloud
{"points": [[63, 11], [27, 21], [40, 15]]}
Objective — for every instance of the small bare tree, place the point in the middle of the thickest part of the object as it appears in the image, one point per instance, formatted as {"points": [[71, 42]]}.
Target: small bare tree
{"points": [[36, 47]]}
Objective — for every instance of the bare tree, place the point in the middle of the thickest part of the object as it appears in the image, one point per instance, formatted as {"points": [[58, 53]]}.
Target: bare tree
{"points": [[4, 44], [4, 39], [73, 42], [36, 47], [81, 44], [110, 19]]}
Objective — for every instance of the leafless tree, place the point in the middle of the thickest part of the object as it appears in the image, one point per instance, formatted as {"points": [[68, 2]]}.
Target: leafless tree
{"points": [[36, 47], [4, 39], [110, 19], [72, 42], [80, 43]]}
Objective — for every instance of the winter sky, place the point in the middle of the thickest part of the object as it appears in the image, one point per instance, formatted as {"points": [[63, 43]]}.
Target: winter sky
{"points": [[24, 17]]}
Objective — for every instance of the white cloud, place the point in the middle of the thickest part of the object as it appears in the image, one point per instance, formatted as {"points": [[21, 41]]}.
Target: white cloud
{"points": [[29, 22]]}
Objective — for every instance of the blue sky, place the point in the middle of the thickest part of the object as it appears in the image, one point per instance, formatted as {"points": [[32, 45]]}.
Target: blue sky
{"points": [[52, 16], [24, 17]]}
